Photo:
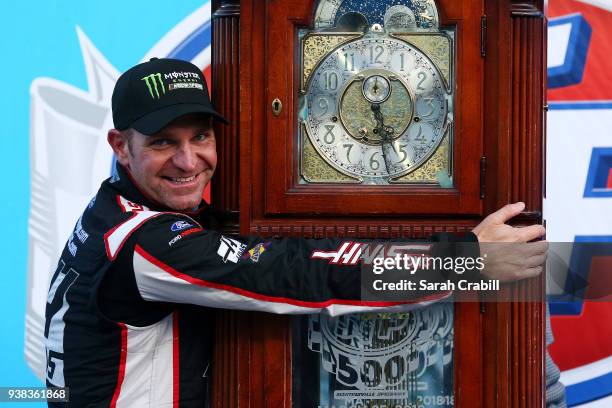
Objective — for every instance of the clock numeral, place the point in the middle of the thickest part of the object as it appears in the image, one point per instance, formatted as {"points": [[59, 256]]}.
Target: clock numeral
{"points": [[379, 50], [373, 161], [423, 77], [429, 102], [420, 137], [323, 104], [349, 61], [329, 136], [348, 147], [402, 150], [331, 81], [402, 56]]}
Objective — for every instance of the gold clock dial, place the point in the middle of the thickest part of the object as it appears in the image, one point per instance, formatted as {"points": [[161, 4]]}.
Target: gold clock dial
{"points": [[376, 108], [393, 98]]}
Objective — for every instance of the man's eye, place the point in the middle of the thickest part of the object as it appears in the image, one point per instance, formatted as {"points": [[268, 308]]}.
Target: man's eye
{"points": [[202, 137], [160, 142]]}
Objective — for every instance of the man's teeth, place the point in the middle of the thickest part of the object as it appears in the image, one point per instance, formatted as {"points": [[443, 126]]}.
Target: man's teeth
{"points": [[181, 179]]}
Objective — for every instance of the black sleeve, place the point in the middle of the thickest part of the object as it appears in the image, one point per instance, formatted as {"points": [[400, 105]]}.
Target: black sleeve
{"points": [[175, 260]]}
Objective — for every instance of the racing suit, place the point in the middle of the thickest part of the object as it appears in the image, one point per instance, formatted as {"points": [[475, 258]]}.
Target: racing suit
{"points": [[128, 322]]}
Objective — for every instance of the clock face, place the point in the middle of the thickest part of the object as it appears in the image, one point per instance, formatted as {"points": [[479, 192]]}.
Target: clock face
{"points": [[377, 108]]}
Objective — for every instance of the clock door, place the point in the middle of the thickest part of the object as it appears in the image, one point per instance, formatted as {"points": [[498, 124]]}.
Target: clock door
{"points": [[365, 100]]}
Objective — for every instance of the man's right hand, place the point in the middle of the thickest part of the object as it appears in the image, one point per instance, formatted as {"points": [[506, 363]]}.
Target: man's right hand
{"points": [[509, 256]]}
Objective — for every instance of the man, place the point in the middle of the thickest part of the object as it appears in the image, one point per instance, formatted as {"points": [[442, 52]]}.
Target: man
{"points": [[127, 323]]}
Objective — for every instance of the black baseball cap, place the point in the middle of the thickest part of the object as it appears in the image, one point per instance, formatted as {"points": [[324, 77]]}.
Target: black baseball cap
{"points": [[149, 96]]}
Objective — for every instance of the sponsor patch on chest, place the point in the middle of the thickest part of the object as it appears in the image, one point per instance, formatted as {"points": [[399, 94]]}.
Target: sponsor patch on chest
{"points": [[230, 249], [183, 234], [180, 225], [254, 253]]}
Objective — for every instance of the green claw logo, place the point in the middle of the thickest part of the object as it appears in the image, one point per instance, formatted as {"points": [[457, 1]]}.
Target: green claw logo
{"points": [[151, 81]]}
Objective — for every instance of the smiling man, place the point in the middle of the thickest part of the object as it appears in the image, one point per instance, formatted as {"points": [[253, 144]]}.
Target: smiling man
{"points": [[172, 166], [128, 322]]}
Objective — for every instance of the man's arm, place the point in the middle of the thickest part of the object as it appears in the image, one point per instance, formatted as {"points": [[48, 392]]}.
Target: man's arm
{"points": [[174, 260]]}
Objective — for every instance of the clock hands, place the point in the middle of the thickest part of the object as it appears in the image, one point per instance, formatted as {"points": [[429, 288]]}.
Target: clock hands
{"points": [[385, 132]]}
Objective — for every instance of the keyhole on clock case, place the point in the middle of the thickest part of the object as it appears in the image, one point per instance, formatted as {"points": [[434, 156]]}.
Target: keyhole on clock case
{"points": [[277, 107]]}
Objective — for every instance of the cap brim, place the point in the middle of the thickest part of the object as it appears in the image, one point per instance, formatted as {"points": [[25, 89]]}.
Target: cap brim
{"points": [[157, 120]]}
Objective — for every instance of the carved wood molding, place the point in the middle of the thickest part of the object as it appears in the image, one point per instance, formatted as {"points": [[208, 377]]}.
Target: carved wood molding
{"points": [[225, 358], [528, 94], [513, 341], [225, 81], [226, 8], [532, 8], [231, 338], [359, 229], [525, 337]]}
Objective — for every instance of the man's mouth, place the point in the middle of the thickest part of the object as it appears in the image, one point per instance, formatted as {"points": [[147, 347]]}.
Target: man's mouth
{"points": [[180, 180]]}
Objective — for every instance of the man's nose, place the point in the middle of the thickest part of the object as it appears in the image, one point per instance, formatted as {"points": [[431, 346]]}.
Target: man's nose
{"points": [[185, 158]]}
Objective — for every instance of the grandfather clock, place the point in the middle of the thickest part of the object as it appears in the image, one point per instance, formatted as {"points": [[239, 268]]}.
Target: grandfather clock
{"points": [[380, 119]]}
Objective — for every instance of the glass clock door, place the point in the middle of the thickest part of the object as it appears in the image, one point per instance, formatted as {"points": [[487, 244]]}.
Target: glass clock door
{"points": [[375, 360]]}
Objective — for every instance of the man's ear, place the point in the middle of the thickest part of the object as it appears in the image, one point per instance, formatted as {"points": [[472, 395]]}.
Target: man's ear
{"points": [[119, 143]]}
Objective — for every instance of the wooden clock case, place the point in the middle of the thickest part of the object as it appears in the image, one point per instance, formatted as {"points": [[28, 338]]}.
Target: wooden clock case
{"points": [[499, 159]]}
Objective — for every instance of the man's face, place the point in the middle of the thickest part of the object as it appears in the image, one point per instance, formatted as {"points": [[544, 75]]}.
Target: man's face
{"points": [[174, 165]]}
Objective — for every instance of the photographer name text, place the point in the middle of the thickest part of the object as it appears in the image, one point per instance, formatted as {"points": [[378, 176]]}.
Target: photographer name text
{"points": [[424, 285]]}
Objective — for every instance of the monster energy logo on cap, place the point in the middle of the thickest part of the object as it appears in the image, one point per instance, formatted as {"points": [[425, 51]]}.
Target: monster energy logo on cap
{"points": [[149, 112], [151, 81]]}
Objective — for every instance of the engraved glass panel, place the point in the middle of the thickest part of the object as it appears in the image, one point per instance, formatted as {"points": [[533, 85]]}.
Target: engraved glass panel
{"points": [[374, 360]]}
